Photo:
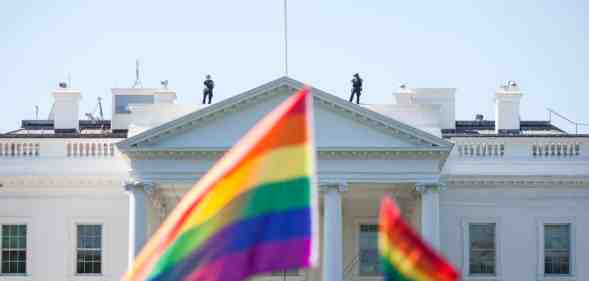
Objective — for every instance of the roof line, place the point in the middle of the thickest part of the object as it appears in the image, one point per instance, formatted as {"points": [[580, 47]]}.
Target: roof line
{"points": [[289, 82]]}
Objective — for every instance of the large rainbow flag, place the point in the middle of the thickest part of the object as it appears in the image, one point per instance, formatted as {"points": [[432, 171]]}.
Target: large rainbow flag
{"points": [[404, 256], [253, 212]]}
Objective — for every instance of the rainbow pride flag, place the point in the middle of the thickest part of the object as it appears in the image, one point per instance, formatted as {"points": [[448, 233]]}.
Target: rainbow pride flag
{"points": [[253, 212], [404, 256]]}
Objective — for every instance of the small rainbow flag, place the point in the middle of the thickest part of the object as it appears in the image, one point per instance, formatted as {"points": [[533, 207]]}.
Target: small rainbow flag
{"points": [[404, 256], [253, 212]]}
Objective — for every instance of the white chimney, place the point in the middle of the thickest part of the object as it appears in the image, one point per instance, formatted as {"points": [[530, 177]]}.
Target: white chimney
{"points": [[162, 96], [442, 98], [507, 117], [66, 108]]}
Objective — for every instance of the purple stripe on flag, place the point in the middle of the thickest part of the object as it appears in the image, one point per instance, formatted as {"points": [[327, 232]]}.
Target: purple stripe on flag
{"points": [[264, 258]]}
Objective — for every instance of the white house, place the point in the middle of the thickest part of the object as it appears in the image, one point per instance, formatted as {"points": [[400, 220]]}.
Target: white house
{"points": [[504, 200]]}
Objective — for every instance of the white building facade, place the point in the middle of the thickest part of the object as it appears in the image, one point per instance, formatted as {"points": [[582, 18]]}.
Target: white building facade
{"points": [[503, 200]]}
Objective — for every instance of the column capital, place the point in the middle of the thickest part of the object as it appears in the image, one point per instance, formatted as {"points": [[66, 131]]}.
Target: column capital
{"points": [[133, 185], [339, 186], [424, 187]]}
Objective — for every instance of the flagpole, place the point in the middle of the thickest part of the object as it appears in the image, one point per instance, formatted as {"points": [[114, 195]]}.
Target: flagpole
{"points": [[285, 38]]}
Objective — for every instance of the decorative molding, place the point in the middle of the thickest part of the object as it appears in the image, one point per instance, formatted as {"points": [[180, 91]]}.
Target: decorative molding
{"points": [[423, 188], [133, 185], [258, 94], [175, 154], [331, 154], [45, 182], [154, 193], [339, 186], [532, 181]]}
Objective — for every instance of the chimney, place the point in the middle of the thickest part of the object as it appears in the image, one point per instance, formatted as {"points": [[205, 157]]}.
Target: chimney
{"points": [[405, 95], [66, 109], [507, 117], [164, 96], [441, 99]]}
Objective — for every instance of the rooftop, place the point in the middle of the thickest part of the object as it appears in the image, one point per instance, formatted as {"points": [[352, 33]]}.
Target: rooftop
{"points": [[45, 129], [486, 128]]}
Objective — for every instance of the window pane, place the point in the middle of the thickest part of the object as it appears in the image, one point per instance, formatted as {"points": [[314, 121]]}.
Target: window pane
{"points": [[557, 249], [289, 272], [122, 102], [482, 248], [89, 252], [13, 249], [368, 258]]}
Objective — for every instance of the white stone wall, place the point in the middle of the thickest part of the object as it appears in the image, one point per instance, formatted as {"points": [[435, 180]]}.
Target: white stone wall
{"points": [[518, 211], [53, 184], [51, 218]]}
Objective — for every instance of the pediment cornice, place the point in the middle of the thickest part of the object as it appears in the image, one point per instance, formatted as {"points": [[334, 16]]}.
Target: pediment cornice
{"points": [[259, 94], [322, 153]]}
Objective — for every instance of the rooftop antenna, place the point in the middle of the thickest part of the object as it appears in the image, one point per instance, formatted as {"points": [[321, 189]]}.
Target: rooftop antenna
{"points": [[101, 114], [285, 38], [36, 112], [69, 79], [137, 76], [98, 107]]}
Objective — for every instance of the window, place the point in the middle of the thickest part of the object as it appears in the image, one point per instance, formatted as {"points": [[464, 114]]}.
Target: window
{"points": [[122, 102], [13, 248], [557, 249], [89, 249], [285, 273], [482, 248], [368, 258]]}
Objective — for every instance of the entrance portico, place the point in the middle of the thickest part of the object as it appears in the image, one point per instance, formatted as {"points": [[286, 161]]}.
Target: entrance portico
{"points": [[361, 157]]}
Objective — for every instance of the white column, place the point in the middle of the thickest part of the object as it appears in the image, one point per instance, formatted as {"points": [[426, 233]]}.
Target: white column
{"points": [[332, 231], [138, 220], [430, 212]]}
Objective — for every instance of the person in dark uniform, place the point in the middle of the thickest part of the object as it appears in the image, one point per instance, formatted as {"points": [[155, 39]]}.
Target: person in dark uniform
{"points": [[208, 90], [356, 88]]}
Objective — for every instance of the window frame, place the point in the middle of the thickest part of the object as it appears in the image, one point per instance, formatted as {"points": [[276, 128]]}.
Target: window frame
{"points": [[73, 245], [78, 249], [301, 275], [466, 222], [356, 258], [29, 257], [541, 222]]}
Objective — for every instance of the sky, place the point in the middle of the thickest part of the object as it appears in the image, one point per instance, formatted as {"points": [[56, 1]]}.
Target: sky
{"points": [[474, 46]]}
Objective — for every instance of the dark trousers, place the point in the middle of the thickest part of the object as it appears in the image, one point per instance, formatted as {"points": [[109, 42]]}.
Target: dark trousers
{"points": [[207, 93], [355, 92]]}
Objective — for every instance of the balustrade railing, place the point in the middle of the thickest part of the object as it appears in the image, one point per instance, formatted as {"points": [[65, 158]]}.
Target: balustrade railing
{"points": [[90, 149], [555, 149], [19, 149], [481, 149], [540, 150], [70, 149]]}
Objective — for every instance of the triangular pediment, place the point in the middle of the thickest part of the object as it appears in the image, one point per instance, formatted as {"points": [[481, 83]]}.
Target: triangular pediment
{"points": [[339, 125]]}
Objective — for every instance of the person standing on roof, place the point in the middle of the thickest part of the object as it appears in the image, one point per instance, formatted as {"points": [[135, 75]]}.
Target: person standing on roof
{"points": [[356, 88], [208, 90]]}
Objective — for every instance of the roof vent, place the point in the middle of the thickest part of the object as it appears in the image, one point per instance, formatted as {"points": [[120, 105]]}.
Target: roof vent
{"points": [[479, 117]]}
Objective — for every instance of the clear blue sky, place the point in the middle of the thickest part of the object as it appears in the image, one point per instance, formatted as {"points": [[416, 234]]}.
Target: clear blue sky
{"points": [[470, 45]]}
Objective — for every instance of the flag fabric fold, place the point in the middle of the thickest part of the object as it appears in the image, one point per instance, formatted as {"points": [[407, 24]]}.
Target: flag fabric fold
{"points": [[404, 255], [253, 212]]}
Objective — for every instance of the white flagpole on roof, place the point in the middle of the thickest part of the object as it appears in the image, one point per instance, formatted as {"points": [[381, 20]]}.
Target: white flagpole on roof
{"points": [[285, 38]]}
